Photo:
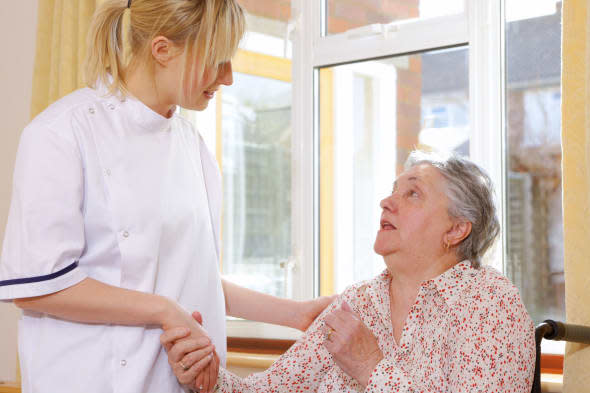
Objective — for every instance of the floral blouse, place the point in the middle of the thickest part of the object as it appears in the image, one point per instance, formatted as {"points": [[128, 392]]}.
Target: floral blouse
{"points": [[468, 331]]}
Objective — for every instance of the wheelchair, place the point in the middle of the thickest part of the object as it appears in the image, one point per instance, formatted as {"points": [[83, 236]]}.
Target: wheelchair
{"points": [[558, 331]]}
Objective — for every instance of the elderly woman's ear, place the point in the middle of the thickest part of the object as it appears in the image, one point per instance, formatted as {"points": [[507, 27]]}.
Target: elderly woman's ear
{"points": [[457, 233]]}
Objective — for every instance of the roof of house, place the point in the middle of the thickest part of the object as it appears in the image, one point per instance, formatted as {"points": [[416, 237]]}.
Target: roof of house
{"points": [[533, 58]]}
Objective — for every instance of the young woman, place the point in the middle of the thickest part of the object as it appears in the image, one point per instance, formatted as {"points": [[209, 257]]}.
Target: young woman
{"points": [[113, 230]]}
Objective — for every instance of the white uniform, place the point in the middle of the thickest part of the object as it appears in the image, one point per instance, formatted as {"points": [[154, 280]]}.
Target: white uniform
{"points": [[108, 189]]}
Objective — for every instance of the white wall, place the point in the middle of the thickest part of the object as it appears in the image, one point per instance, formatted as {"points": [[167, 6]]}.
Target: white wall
{"points": [[18, 25]]}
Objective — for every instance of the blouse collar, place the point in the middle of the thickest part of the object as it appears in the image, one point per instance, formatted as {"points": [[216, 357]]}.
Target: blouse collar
{"points": [[138, 113]]}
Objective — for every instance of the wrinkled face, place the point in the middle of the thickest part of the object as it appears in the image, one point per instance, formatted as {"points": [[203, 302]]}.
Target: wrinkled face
{"points": [[415, 216]]}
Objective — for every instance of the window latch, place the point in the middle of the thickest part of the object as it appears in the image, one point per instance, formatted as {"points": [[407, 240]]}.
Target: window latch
{"points": [[375, 29]]}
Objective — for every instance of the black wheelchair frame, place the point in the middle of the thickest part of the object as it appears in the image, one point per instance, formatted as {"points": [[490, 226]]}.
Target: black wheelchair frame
{"points": [[558, 331]]}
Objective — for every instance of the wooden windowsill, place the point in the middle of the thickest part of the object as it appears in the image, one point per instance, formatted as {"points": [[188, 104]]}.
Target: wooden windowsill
{"points": [[10, 387], [261, 346], [250, 360]]}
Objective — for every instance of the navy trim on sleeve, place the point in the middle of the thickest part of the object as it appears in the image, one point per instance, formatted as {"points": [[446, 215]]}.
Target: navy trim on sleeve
{"points": [[46, 277]]}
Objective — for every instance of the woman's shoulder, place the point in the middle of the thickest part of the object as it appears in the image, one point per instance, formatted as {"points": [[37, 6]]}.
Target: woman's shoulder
{"points": [[53, 129], [61, 111], [376, 285], [491, 291], [490, 280]]}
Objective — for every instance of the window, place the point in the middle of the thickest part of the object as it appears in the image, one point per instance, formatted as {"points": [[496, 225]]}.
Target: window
{"points": [[373, 114], [249, 129], [324, 111], [534, 260], [344, 15]]}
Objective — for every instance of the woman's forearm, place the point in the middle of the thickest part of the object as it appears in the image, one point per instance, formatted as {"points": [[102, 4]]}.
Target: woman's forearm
{"points": [[92, 301], [245, 303]]}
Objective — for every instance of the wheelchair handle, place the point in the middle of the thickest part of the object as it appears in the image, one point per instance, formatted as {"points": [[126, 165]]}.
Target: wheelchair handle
{"points": [[560, 331]]}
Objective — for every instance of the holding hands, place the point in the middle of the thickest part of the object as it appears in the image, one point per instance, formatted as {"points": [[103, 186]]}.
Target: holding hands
{"points": [[352, 345], [191, 354]]}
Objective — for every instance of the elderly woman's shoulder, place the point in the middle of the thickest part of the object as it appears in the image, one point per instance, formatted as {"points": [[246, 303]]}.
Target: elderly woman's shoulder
{"points": [[376, 286], [490, 279], [493, 290]]}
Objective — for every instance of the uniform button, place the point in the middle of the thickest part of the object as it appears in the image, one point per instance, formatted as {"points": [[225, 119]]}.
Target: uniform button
{"points": [[123, 362], [125, 234], [91, 110], [111, 106]]}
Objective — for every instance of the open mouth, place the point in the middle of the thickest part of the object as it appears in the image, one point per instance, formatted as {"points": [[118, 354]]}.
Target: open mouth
{"points": [[387, 226]]}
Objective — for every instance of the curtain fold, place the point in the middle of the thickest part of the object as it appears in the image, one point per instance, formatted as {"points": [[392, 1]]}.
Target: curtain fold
{"points": [[62, 27], [576, 183]]}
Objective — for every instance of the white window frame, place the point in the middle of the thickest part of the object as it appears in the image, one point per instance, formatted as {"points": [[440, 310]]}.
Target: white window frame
{"points": [[480, 26]]}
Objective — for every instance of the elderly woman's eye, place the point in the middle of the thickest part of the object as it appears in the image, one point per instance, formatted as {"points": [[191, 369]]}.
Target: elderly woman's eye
{"points": [[413, 193]]}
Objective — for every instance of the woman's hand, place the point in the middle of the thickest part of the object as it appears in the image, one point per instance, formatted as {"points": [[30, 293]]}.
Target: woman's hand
{"points": [[191, 362], [309, 310], [188, 357], [352, 345]]}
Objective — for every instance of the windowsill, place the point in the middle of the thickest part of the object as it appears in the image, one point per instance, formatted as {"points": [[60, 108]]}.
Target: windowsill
{"points": [[10, 387], [250, 360]]}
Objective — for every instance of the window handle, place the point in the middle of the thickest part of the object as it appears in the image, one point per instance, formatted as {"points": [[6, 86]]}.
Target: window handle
{"points": [[288, 264], [372, 30]]}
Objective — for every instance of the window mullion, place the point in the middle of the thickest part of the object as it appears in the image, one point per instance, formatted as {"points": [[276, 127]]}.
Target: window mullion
{"points": [[486, 77], [306, 13]]}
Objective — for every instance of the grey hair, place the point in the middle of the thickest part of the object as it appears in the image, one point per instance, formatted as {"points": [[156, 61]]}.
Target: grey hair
{"points": [[471, 198]]}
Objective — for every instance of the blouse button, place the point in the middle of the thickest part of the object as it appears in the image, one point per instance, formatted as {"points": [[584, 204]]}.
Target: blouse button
{"points": [[123, 362], [111, 106], [91, 110], [108, 172], [125, 234]]}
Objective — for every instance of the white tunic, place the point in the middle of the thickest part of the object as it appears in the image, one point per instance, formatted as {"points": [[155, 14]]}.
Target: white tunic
{"points": [[108, 189]]}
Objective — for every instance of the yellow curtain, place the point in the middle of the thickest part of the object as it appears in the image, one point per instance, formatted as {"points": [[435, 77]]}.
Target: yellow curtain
{"points": [[576, 184], [62, 26]]}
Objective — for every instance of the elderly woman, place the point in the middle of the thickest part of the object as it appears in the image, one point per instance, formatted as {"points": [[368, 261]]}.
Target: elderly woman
{"points": [[434, 321]]}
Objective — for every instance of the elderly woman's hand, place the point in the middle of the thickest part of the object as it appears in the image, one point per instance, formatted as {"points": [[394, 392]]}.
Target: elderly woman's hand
{"points": [[193, 360], [352, 345]]}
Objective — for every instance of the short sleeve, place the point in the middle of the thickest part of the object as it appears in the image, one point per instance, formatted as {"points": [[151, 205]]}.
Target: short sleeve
{"points": [[44, 235]]}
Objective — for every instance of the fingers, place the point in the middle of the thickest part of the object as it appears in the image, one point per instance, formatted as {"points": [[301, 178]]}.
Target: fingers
{"points": [[214, 369], [337, 319], [171, 335], [346, 307], [183, 347], [195, 356], [199, 380], [187, 377], [198, 317], [206, 372]]}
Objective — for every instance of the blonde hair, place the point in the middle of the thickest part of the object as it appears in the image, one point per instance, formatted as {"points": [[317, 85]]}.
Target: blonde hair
{"points": [[208, 30]]}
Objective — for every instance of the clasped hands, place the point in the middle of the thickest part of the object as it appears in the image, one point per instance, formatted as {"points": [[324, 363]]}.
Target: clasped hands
{"points": [[191, 354], [351, 343]]}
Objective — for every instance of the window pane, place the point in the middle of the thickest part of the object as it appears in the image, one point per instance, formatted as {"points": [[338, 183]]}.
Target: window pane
{"points": [[372, 114], [257, 182], [248, 127], [343, 15], [266, 21], [535, 233]]}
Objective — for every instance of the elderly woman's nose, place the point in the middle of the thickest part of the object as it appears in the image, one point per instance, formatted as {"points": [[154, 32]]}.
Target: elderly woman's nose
{"points": [[389, 203]]}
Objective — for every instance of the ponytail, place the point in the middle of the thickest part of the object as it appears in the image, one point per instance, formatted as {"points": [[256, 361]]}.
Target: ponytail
{"points": [[209, 30], [105, 59]]}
